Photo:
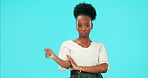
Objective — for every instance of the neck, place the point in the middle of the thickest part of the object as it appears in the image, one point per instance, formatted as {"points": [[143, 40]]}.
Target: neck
{"points": [[84, 39]]}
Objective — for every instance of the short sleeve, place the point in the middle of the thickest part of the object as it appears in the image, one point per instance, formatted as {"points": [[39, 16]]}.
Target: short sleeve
{"points": [[103, 58], [62, 55]]}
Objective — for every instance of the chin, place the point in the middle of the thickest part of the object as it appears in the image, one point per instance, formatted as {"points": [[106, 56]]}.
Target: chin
{"points": [[84, 36]]}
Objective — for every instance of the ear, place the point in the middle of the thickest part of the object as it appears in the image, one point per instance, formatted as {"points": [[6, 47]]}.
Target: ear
{"points": [[91, 25], [76, 26]]}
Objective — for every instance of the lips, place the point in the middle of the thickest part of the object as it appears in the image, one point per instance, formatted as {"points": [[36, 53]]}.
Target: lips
{"points": [[84, 33]]}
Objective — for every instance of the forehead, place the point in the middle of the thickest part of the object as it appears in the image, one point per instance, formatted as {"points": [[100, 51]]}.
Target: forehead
{"points": [[83, 18]]}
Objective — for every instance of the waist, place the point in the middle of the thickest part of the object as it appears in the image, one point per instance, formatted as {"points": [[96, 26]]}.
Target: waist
{"points": [[73, 72]]}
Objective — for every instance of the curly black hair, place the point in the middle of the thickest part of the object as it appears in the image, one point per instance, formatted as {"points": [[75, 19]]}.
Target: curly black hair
{"points": [[85, 9]]}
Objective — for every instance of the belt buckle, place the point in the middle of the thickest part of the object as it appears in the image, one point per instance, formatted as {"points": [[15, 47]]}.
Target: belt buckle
{"points": [[79, 72]]}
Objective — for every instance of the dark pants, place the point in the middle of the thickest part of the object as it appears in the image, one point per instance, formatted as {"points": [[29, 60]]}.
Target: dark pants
{"points": [[86, 75]]}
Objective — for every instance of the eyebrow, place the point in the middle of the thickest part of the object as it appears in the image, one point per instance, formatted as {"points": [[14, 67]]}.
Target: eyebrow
{"points": [[85, 23]]}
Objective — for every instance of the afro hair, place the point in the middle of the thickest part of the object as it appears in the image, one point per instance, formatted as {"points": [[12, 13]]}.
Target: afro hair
{"points": [[85, 9]]}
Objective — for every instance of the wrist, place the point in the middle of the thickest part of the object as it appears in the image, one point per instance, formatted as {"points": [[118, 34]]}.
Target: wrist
{"points": [[79, 68], [54, 57]]}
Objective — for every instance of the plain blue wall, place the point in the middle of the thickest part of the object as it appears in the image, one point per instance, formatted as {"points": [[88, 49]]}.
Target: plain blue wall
{"points": [[29, 26]]}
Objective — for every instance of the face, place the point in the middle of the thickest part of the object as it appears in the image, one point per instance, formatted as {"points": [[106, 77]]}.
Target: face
{"points": [[84, 25]]}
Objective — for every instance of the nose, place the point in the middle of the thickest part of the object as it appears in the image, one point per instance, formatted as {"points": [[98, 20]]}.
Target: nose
{"points": [[83, 28]]}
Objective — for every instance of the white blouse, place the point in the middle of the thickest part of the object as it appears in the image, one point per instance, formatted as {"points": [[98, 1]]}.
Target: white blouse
{"points": [[94, 55]]}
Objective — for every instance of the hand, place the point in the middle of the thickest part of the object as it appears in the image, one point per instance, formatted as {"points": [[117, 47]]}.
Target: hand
{"points": [[74, 65], [49, 53]]}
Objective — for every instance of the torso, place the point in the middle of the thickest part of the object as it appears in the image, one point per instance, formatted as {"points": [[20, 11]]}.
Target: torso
{"points": [[84, 56]]}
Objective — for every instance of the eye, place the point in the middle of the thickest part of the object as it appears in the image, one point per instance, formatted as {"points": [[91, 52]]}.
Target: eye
{"points": [[79, 25], [87, 25]]}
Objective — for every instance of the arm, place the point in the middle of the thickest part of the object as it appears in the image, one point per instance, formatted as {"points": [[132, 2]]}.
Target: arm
{"points": [[65, 64], [102, 68], [51, 55]]}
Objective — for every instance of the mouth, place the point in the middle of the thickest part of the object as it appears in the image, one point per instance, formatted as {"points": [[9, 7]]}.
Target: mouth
{"points": [[83, 33]]}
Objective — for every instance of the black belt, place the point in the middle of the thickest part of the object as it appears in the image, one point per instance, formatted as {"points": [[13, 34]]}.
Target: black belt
{"points": [[77, 72]]}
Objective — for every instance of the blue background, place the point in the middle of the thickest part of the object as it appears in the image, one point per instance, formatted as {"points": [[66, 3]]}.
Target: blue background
{"points": [[29, 26]]}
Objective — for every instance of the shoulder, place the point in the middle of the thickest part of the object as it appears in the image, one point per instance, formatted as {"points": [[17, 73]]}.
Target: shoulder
{"points": [[68, 42], [101, 46], [98, 43]]}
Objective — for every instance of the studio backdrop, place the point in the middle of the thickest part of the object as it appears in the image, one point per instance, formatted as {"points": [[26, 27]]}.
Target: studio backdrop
{"points": [[29, 26]]}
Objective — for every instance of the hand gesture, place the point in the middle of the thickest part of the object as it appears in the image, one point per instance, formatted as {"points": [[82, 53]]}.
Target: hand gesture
{"points": [[49, 53], [74, 65]]}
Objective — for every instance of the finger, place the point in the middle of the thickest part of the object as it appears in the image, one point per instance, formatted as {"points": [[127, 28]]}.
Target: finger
{"points": [[72, 61], [46, 49], [47, 54], [51, 53], [68, 57]]}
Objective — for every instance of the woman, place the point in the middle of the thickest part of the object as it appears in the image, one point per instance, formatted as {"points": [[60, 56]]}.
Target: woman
{"points": [[84, 58]]}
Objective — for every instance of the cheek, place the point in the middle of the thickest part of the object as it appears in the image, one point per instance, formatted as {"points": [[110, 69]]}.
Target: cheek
{"points": [[89, 29], [78, 29]]}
